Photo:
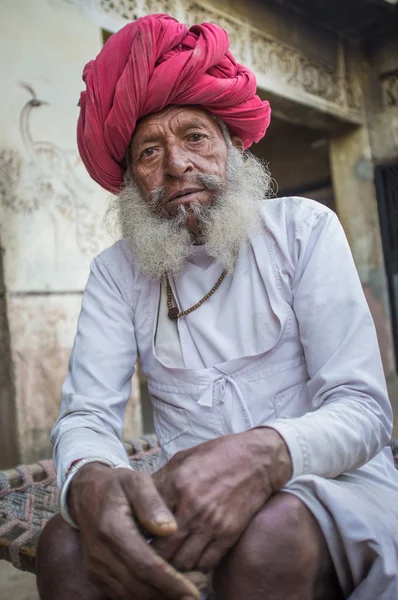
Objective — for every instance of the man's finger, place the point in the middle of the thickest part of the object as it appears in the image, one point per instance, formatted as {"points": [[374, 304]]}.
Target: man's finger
{"points": [[117, 580], [213, 554], [148, 506], [113, 589], [167, 547], [128, 582], [200, 580], [151, 570], [188, 555]]}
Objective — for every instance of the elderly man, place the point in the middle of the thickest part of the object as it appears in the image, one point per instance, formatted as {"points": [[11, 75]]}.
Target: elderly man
{"points": [[262, 361]]}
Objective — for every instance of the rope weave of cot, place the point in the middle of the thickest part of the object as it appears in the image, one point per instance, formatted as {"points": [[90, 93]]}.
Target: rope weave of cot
{"points": [[29, 498]]}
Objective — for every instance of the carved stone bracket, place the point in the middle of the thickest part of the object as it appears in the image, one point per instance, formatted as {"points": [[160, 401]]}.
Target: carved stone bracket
{"points": [[126, 9], [389, 86], [238, 31], [269, 58]]}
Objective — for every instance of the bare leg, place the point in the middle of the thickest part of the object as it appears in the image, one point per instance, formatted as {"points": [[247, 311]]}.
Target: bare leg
{"points": [[59, 565], [281, 556]]}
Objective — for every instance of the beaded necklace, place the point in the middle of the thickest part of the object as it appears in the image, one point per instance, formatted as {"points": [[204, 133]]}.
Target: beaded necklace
{"points": [[173, 310]]}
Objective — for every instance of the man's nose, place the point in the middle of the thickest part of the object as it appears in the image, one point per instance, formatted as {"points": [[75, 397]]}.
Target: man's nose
{"points": [[177, 161]]}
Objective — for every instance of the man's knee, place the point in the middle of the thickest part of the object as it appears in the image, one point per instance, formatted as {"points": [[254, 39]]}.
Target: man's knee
{"points": [[281, 541], [58, 546], [59, 564]]}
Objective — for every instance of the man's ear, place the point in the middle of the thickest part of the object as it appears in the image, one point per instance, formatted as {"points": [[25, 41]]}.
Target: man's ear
{"points": [[237, 142]]}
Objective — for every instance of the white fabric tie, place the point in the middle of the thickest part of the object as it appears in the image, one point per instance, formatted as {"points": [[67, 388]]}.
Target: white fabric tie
{"points": [[207, 398]]}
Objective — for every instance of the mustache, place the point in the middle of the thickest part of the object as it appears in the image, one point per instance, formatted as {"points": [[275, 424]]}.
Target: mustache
{"points": [[157, 197], [162, 245]]}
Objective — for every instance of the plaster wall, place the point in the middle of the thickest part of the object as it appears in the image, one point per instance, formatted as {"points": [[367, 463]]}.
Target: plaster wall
{"points": [[9, 444], [382, 99], [51, 213], [356, 205]]}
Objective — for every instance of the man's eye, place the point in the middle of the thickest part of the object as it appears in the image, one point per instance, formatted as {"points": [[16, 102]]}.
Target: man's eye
{"points": [[147, 152], [196, 137]]}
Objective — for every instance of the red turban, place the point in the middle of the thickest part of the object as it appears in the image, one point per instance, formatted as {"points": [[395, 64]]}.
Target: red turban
{"points": [[150, 64]]}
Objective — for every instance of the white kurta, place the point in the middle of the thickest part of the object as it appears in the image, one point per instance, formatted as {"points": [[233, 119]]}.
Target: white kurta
{"points": [[287, 341]]}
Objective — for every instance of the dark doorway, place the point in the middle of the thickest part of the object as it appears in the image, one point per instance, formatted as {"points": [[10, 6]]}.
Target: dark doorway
{"points": [[298, 158], [387, 199]]}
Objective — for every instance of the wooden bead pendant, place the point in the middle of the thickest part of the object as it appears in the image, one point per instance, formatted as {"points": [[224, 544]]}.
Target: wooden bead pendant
{"points": [[173, 313]]}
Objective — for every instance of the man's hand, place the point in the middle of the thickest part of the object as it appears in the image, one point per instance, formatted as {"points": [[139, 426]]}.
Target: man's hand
{"points": [[215, 489], [106, 503]]}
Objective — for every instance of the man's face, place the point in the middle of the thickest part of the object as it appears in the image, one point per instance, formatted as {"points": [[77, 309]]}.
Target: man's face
{"points": [[169, 150]]}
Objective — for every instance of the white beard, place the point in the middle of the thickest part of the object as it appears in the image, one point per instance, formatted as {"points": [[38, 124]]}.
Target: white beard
{"points": [[163, 245]]}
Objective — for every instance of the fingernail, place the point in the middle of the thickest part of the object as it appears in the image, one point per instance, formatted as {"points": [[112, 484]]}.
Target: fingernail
{"points": [[164, 521], [202, 585], [200, 580]]}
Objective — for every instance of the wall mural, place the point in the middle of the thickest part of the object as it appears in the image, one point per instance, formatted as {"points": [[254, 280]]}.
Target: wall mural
{"points": [[44, 176]]}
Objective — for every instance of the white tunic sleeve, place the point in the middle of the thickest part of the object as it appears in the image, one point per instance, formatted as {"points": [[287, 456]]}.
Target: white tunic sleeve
{"points": [[98, 385], [352, 417]]}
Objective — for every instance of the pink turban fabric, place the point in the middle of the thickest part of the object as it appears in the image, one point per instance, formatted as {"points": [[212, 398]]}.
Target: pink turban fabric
{"points": [[152, 63]]}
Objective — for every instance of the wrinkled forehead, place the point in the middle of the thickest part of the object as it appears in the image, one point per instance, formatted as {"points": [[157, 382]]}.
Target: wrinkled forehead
{"points": [[175, 117]]}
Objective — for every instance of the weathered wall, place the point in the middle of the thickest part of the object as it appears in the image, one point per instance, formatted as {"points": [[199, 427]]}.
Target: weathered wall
{"points": [[356, 205], [8, 440], [380, 79], [382, 98], [354, 157], [51, 212]]}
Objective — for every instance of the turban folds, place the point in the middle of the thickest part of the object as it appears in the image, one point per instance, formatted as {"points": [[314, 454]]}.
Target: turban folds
{"points": [[152, 63]]}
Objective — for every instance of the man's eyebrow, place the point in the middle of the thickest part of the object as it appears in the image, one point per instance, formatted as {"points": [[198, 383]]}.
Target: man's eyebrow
{"points": [[149, 138], [194, 125], [146, 139]]}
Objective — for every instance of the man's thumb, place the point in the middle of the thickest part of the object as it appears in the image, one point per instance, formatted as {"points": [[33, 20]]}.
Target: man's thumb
{"points": [[149, 507]]}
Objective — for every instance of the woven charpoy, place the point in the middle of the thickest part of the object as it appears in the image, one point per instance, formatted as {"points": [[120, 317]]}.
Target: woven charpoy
{"points": [[29, 498]]}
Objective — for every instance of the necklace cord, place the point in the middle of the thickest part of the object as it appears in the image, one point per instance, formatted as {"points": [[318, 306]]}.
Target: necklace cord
{"points": [[173, 312]]}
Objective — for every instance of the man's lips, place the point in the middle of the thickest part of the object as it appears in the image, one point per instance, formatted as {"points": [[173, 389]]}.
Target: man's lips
{"points": [[183, 193]]}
